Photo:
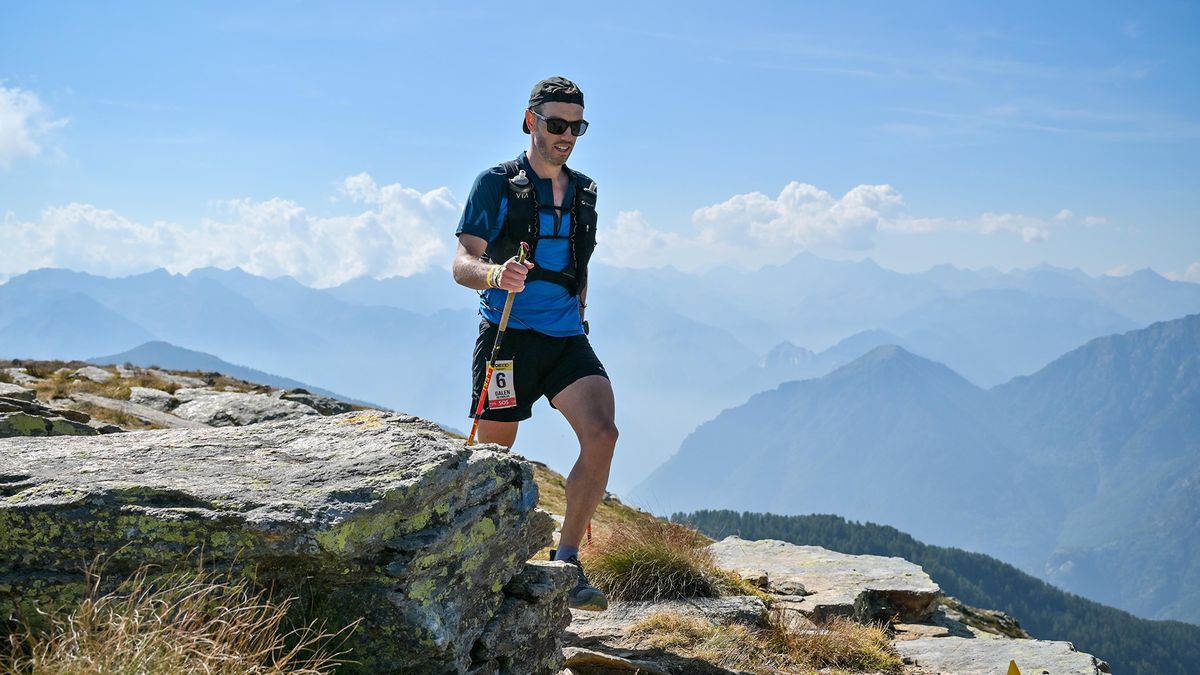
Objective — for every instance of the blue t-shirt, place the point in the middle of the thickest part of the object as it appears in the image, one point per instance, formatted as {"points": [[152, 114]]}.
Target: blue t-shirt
{"points": [[543, 306]]}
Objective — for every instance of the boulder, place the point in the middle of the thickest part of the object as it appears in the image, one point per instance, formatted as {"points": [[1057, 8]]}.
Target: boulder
{"points": [[23, 424], [152, 398], [322, 404], [991, 656], [181, 380], [227, 409], [380, 518], [864, 587], [525, 634], [20, 376], [94, 374], [17, 391], [144, 413], [21, 417]]}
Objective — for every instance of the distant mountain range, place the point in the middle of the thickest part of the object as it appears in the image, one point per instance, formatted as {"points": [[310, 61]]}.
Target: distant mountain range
{"points": [[165, 355], [1084, 473], [680, 347]]}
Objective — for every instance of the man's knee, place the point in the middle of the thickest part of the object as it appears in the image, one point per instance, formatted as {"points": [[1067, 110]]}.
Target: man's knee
{"points": [[604, 435]]}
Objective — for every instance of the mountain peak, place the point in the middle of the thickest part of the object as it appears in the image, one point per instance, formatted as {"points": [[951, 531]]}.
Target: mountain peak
{"points": [[786, 354]]}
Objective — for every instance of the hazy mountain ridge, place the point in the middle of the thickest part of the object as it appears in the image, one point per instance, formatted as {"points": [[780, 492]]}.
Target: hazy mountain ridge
{"points": [[681, 345], [1083, 473]]}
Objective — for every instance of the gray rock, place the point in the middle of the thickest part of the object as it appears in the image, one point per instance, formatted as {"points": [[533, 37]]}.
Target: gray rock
{"points": [[615, 622], [181, 380], [374, 517], [865, 587], [991, 656], [534, 613], [152, 398], [226, 409], [21, 417], [17, 391], [185, 394], [23, 424], [142, 412], [322, 404], [588, 662], [21, 376], [94, 374], [129, 371]]}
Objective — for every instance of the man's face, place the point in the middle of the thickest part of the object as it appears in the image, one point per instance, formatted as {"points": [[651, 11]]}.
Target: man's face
{"points": [[553, 148]]}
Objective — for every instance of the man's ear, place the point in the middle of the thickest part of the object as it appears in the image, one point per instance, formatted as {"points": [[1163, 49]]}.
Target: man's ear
{"points": [[530, 120]]}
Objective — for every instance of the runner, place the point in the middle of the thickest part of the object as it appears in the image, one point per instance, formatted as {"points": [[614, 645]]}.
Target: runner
{"points": [[538, 200]]}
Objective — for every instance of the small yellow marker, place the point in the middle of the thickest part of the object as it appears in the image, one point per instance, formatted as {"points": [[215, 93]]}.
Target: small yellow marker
{"points": [[1013, 669]]}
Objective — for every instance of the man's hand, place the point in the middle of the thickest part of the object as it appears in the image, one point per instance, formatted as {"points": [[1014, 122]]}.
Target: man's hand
{"points": [[510, 276]]}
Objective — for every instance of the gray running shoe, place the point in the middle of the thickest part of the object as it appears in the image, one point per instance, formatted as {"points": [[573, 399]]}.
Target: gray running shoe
{"points": [[585, 596]]}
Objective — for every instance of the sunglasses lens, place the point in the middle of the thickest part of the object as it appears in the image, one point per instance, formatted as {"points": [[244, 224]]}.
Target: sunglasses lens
{"points": [[556, 126], [579, 128]]}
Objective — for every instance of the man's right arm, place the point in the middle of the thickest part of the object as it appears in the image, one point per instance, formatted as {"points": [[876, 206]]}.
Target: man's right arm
{"points": [[474, 273]]}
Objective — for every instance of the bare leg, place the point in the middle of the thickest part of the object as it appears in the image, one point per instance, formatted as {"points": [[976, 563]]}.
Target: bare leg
{"points": [[504, 433], [589, 407]]}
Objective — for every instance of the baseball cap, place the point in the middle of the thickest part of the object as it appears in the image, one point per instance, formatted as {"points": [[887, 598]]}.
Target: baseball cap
{"points": [[555, 88]]}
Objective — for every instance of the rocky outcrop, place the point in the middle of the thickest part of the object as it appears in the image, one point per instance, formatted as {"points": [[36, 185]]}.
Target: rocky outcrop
{"points": [[374, 517], [26, 417], [227, 408], [152, 398], [322, 404], [94, 374], [17, 391], [821, 584], [964, 656], [146, 414]]}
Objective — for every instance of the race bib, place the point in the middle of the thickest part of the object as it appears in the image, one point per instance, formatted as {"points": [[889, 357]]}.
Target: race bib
{"points": [[502, 390]]}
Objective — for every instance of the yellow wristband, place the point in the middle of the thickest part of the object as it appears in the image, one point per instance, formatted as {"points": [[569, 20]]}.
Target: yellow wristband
{"points": [[493, 276]]}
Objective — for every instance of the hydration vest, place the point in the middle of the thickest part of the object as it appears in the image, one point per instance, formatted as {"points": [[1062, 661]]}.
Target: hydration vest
{"points": [[522, 223]]}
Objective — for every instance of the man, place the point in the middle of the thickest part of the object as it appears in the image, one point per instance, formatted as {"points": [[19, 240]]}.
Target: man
{"points": [[538, 200]]}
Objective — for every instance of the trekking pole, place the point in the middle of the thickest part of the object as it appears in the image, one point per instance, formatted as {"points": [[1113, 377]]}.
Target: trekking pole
{"points": [[487, 379]]}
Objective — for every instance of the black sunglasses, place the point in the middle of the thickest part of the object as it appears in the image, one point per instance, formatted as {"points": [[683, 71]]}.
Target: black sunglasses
{"points": [[557, 125]]}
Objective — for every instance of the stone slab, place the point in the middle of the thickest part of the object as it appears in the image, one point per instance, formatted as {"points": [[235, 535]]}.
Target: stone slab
{"points": [[142, 412], [991, 656], [864, 587]]}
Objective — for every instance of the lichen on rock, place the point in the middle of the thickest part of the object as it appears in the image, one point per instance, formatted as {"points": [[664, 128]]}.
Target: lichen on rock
{"points": [[372, 517]]}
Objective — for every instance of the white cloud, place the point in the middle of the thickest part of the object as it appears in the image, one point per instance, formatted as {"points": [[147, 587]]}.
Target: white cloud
{"points": [[753, 229], [24, 123], [802, 216], [1030, 229], [1122, 270], [1065, 214], [398, 231], [1093, 221], [1192, 273]]}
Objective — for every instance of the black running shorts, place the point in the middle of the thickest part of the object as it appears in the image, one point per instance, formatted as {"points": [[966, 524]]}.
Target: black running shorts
{"points": [[542, 366]]}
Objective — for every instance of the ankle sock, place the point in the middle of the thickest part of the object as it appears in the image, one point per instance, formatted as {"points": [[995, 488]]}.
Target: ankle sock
{"points": [[565, 552]]}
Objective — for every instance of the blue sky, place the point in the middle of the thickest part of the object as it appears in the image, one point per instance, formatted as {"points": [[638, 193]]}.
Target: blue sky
{"points": [[327, 141]]}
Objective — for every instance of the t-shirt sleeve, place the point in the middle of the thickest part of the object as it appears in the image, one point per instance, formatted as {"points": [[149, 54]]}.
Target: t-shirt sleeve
{"points": [[481, 215]]}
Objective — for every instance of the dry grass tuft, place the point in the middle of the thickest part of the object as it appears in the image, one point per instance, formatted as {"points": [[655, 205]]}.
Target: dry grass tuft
{"points": [[774, 648], [180, 622], [657, 560]]}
